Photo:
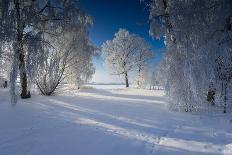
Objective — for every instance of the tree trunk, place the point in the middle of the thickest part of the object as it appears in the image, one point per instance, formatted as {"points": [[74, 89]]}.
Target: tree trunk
{"points": [[222, 89], [225, 97], [139, 73], [13, 77], [23, 76], [126, 80], [22, 67]]}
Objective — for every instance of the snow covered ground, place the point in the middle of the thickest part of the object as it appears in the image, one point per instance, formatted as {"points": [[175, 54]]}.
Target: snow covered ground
{"points": [[108, 122]]}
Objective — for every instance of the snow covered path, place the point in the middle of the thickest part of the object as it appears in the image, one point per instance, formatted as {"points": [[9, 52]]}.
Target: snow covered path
{"points": [[108, 122]]}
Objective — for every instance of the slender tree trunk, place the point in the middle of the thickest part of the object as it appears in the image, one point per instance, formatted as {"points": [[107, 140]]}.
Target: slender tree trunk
{"points": [[225, 97], [22, 67], [139, 73], [126, 80], [13, 77], [222, 88], [23, 76]]}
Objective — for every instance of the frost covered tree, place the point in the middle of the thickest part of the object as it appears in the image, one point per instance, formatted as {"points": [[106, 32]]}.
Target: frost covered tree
{"points": [[126, 52], [18, 19], [142, 61], [70, 61], [154, 81], [197, 33], [5, 59], [68, 56], [224, 75], [21, 21], [27, 24], [120, 53]]}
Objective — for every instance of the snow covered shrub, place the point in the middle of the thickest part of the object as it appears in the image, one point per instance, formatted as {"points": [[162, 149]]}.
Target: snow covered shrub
{"points": [[140, 81], [154, 78], [87, 87]]}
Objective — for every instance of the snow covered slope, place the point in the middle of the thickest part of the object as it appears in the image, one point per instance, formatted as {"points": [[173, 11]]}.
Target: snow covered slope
{"points": [[108, 122]]}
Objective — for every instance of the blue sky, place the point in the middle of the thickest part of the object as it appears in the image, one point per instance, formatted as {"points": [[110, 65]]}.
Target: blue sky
{"points": [[110, 15]]}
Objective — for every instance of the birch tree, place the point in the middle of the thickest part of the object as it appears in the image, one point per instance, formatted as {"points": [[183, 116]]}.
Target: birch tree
{"points": [[26, 25], [68, 59], [196, 34], [20, 22]]}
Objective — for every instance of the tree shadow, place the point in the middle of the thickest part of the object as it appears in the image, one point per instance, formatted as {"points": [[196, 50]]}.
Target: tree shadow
{"points": [[159, 138], [91, 113], [109, 93]]}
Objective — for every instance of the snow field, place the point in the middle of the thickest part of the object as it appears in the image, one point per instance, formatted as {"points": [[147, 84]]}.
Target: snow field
{"points": [[108, 121]]}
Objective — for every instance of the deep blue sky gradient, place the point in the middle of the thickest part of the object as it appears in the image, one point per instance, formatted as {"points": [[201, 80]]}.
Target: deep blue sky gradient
{"points": [[110, 15]]}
